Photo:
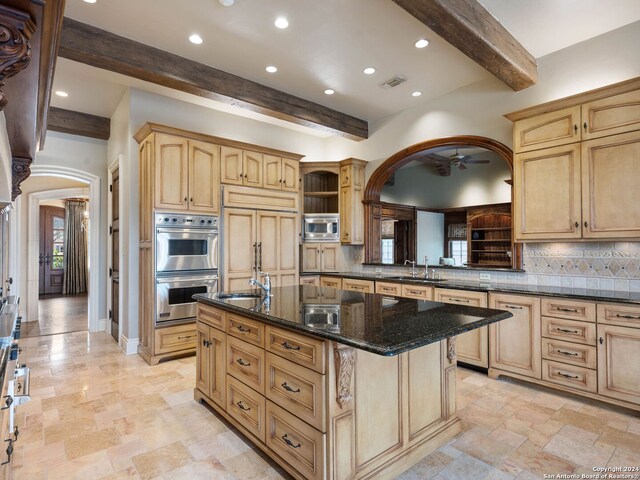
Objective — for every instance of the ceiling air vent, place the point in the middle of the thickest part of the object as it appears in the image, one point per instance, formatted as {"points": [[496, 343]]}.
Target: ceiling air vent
{"points": [[394, 82]]}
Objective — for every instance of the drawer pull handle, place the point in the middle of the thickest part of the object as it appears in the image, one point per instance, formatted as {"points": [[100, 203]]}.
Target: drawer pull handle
{"points": [[461, 300], [565, 330], [184, 338], [241, 329], [516, 307], [289, 442], [242, 363], [9, 451], [289, 347], [566, 375], [206, 343], [289, 389], [570, 310], [571, 354], [415, 292], [632, 317], [242, 407]]}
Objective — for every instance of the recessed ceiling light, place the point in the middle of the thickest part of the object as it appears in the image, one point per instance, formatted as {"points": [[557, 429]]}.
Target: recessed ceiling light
{"points": [[416, 94], [226, 3], [329, 91], [90, 1], [61, 93], [281, 22], [369, 71], [271, 69], [195, 39], [421, 43]]}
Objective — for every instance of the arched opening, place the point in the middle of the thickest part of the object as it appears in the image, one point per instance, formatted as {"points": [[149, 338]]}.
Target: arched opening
{"points": [[376, 210]]}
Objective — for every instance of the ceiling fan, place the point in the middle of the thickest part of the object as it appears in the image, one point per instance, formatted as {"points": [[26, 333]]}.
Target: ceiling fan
{"points": [[443, 164]]}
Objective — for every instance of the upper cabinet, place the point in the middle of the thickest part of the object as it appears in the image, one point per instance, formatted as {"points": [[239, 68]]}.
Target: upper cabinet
{"points": [[351, 207], [576, 170], [280, 173], [261, 170]]}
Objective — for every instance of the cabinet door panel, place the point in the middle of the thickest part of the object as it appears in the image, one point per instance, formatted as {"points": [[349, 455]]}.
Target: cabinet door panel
{"points": [[239, 247], [288, 250], [612, 115], [217, 366], [268, 241], [252, 163], [552, 173], [231, 166], [272, 172], [619, 363], [290, 175], [171, 182], [610, 179], [425, 388], [202, 358], [311, 257], [547, 130], [330, 257], [204, 177]]}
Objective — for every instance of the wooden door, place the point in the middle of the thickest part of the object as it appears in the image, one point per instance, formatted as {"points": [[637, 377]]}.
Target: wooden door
{"points": [[330, 257], [345, 214], [548, 130], [547, 203], [311, 257], [288, 229], [611, 115], [51, 258], [231, 166], [114, 268], [171, 172], [290, 175], [272, 172], [610, 186], [204, 177], [240, 244], [515, 343], [252, 165], [619, 362], [471, 347]]}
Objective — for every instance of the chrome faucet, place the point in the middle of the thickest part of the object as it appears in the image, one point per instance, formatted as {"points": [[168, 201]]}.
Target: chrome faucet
{"points": [[266, 286], [426, 267], [413, 267]]}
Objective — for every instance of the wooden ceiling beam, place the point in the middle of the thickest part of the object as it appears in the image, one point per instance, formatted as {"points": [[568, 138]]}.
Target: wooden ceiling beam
{"points": [[469, 27], [77, 123], [101, 49]]}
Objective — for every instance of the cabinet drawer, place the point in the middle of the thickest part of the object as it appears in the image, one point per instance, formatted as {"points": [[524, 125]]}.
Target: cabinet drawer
{"points": [[565, 352], [419, 292], [246, 363], [248, 330], [364, 286], [331, 282], [296, 389], [389, 288], [619, 314], [300, 349], [212, 316], [314, 281], [173, 339], [561, 329], [569, 375], [246, 406], [471, 299], [570, 309], [300, 445]]}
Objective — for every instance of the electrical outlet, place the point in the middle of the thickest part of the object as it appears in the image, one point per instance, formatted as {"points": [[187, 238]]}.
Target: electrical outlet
{"points": [[485, 277]]}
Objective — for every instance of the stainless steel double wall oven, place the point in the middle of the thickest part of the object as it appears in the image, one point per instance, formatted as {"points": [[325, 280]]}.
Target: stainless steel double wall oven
{"points": [[186, 263]]}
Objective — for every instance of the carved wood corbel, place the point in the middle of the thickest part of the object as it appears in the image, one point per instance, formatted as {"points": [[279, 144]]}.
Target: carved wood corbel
{"points": [[345, 358], [20, 170], [16, 29], [451, 348]]}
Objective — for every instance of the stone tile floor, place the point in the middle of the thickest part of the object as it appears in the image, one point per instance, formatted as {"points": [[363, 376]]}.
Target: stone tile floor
{"points": [[97, 414]]}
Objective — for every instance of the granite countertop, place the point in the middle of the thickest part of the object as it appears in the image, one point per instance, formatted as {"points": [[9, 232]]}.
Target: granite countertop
{"points": [[567, 292], [376, 323]]}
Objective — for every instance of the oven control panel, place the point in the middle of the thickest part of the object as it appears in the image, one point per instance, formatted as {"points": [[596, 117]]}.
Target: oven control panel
{"points": [[181, 220]]}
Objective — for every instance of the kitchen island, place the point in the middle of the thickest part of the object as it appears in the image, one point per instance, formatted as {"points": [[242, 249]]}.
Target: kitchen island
{"points": [[334, 384]]}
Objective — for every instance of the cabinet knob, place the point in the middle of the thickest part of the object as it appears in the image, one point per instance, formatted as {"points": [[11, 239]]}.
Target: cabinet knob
{"points": [[601, 340], [577, 224], [585, 224], [185, 199], [575, 129], [585, 126], [191, 199]]}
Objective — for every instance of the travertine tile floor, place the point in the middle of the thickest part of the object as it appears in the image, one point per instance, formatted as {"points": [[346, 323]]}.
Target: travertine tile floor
{"points": [[96, 414]]}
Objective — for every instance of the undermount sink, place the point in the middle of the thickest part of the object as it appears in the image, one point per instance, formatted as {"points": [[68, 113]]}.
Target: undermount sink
{"points": [[421, 279], [238, 296]]}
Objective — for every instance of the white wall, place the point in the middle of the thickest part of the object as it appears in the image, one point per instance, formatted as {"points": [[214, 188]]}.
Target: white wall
{"points": [[430, 236]]}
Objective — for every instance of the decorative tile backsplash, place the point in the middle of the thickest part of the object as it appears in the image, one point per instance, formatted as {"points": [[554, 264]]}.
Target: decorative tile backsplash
{"points": [[593, 265]]}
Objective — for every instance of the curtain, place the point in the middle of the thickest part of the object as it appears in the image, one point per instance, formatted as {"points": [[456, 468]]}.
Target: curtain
{"points": [[75, 248]]}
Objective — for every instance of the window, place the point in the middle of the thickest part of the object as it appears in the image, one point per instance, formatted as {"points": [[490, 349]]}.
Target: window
{"points": [[57, 261], [458, 251], [387, 250]]}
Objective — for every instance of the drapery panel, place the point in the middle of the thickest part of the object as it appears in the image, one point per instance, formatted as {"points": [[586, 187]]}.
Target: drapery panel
{"points": [[75, 248]]}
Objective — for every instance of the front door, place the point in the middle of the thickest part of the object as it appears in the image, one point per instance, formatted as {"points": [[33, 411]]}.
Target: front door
{"points": [[51, 258], [115, 253]]}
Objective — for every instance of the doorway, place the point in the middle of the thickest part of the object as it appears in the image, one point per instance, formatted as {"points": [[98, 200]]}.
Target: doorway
{"points": [[114, 267], [51, 257]]}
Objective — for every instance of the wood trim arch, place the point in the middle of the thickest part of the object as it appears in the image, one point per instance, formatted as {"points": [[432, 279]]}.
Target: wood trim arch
{"points": [[401, 158]]}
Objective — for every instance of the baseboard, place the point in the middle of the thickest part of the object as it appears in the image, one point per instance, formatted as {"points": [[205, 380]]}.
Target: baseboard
{"points": [[102, 325], [129, 345]]}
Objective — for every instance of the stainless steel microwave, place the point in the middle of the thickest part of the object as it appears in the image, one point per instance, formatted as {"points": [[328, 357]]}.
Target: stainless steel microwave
{"points": [[321, 227]]}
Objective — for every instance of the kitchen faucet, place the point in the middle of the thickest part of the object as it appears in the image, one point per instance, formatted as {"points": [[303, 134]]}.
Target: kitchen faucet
{"points": [[413, 267], [266, 286], [426, 267]]}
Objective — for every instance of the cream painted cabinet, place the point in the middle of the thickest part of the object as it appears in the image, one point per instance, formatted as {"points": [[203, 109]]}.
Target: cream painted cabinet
{"points": [[515, 343], [351, 207], [241, 167], [210, 362], [186, 174], [320, 257], [281, 173], [611, 115], [619, 362], [471, 347], [547, 203], [259, 241], [551, 129]]}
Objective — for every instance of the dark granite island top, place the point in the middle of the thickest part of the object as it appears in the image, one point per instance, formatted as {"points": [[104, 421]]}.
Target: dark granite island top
{"points": [[380, 324]]}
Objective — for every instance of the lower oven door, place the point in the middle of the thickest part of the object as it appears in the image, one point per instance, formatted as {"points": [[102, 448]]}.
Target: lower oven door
{"points": [[173, 295]]}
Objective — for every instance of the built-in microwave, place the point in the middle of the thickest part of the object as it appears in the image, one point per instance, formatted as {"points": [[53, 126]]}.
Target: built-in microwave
{"points": [[321, 227]]}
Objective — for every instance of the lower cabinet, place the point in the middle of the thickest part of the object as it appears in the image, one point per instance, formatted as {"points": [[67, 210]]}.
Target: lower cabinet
{"points": [[331, 282], [357, 285], [313, 280], [619, 362], [515, 343], [210, 356], [320, 257]]}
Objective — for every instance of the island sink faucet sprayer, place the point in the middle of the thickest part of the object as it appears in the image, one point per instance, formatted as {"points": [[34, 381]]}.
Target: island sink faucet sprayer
{"points": [[266, 286]]}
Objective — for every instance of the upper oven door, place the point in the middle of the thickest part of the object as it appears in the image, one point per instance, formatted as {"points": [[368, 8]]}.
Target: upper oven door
{"points": [[184, 249]]}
